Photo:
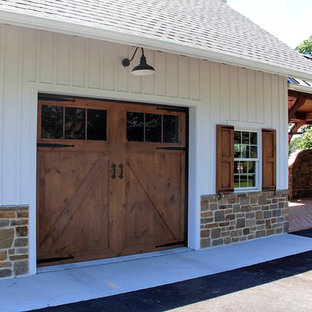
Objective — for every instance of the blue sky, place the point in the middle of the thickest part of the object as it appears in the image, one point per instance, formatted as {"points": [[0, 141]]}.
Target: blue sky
{"points": [[288, 20]]}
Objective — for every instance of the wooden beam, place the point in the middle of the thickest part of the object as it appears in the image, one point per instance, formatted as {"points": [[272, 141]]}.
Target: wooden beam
{"points": [[292, 133], [299, 102], [297, 94], [294, 129], [299, 116]]}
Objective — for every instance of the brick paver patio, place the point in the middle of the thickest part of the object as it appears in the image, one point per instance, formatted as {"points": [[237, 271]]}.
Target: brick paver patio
{"points": [[300, 214]]}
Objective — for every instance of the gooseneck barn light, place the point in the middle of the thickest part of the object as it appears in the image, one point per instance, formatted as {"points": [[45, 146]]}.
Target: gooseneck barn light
{"points": [[143, 69]]}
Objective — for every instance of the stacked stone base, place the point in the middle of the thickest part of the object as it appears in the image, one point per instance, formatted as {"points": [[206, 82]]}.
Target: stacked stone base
{"points": [[299, 177], [14, 254], [237, 217]]}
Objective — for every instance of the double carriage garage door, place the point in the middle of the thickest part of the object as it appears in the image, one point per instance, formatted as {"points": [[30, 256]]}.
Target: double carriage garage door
{"points": [[111, 179]]}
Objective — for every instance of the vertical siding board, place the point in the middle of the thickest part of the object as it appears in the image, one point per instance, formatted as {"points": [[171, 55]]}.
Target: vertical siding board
{"points": [[183, 77], [205, 81], [78, 62], [19, 114], [172, 74], [243, 107], [47, 57], [109, 64], [122, 73], [275, 101], [2, 61], [93, 67], [215, 92], [63, 50], [234, 101], [259, 97], [251, 95], [194, 79], [135, 82], [30, 57], [148, 82], [160, 76], [268, 100], [30, 46], [25, 147], [282, 162], [206, 159], [11, 113], [225, 92]]}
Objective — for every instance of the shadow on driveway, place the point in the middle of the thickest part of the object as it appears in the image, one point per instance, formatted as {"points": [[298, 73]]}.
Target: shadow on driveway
{"points": [[179, 294]]}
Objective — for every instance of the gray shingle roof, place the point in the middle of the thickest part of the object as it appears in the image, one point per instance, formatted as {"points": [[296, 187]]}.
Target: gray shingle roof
{"points": [[209, 25]]}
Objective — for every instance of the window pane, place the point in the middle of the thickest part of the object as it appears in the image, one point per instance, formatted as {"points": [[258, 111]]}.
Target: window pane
{"points": [[247, 151], [51, 122], [237, 137], [253, 151], [245, 166], [237, 153], [251, 180], [251, 167], [170, 129], [236, 167], [253, 138], [243, 180], [245, 137], [75, 123], [152, 128], [96, 124], [236, 180], [244, 151], [135, 127]]}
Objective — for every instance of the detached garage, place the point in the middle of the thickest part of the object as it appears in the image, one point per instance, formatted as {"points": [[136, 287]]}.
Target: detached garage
{"points": [[99, 159]]}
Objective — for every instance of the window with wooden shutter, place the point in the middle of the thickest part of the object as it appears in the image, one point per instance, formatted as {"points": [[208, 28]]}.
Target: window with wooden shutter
{"points": [[225, 159], [246, 160], [268, 159]]}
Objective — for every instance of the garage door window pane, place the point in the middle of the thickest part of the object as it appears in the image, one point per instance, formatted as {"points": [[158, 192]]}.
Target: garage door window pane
{"points": [[170, 129], [153, 127], [135, 127], [51, 122], [96, 124], [74, 123]]}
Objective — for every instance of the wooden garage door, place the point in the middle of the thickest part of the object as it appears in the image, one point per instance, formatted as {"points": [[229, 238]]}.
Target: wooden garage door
{"points": [[111, 179]]}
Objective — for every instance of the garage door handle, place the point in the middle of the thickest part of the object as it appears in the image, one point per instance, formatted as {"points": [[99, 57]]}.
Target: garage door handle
{"points": [[121, 171], [114, 171]]}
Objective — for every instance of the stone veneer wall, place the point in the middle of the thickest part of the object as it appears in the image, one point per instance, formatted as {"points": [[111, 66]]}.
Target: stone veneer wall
{"points": [[300, 171], [239, 217], [14, 255]]}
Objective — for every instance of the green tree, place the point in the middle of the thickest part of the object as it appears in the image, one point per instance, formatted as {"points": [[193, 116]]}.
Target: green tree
{"points": [[303, 142], [306, 46]]}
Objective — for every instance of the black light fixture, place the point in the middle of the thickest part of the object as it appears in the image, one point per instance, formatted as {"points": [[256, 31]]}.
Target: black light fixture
{"points": [[143, 69]]}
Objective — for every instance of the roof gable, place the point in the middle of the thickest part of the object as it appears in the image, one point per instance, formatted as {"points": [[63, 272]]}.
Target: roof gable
{"points": [[206, 25]]}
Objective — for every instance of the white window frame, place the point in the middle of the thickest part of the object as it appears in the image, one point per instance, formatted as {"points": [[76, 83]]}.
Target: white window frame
{"points": [[257, 160]]}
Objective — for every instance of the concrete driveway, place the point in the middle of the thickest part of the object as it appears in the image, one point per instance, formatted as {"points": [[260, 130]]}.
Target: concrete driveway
{"points": [[283, 285]]}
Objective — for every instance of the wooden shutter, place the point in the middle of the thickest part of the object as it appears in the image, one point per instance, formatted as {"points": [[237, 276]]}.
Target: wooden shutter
{"points": [[268, 159], [225, 159]]}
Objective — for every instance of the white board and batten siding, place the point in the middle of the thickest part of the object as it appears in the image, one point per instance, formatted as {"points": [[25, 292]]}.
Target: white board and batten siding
{"points": [[33, 61]]}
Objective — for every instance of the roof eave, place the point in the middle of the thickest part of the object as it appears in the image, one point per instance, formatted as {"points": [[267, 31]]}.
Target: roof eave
{"points": [[64, 27], [299, 88]]}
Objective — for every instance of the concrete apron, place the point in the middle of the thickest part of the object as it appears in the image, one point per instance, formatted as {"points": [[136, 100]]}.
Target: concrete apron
{"points": [[95, 279]]}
